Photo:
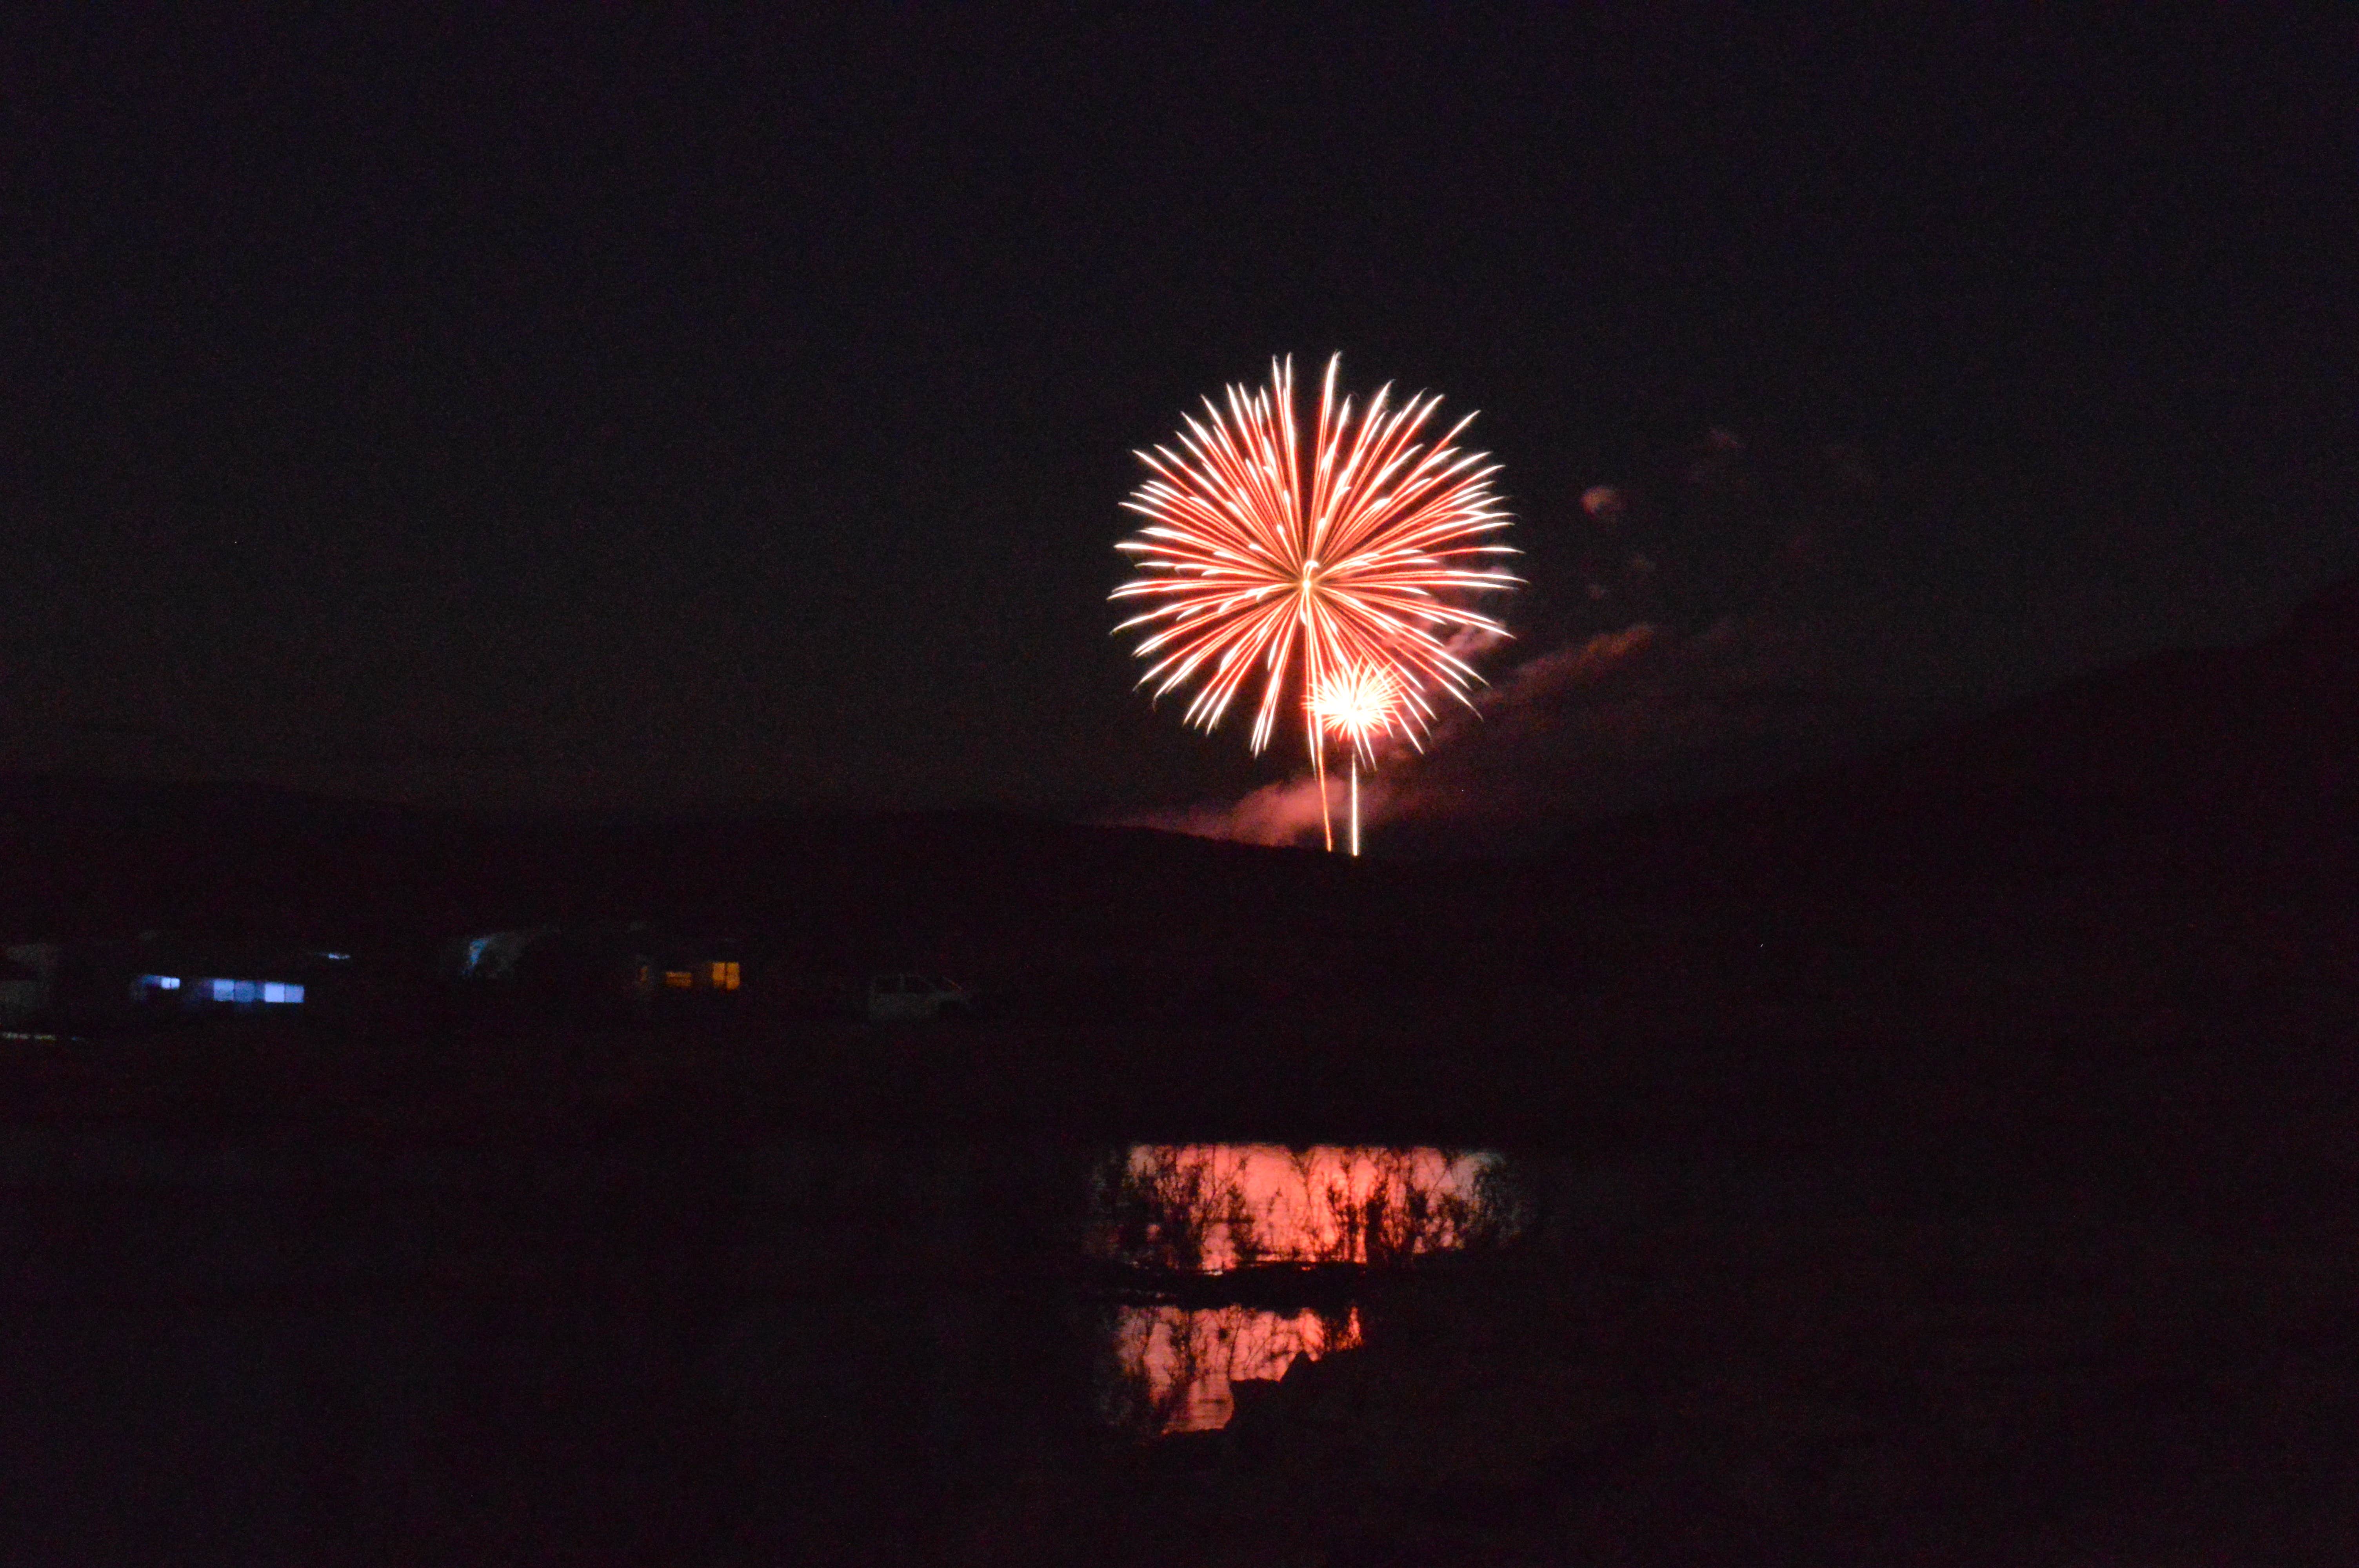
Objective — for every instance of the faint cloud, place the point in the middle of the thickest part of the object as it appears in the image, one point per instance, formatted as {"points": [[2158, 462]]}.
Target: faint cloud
{"points": [[1276, 814]]}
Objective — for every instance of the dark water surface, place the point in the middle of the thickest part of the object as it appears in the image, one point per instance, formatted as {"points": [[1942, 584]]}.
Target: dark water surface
{"points": [[667, 1349], [240, 1350]]}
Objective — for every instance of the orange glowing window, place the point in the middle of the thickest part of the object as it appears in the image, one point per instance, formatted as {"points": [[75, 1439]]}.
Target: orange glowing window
{"points": [[724, 977], [679, 979]]}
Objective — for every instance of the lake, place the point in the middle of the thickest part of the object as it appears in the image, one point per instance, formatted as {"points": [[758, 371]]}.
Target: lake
{"points": [[650, 1344], [257, 1350]]}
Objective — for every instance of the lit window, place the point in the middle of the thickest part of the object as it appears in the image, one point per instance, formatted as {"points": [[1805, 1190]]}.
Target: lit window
{"points": [[224, 991], [680, 979], [276, 991], [159, 982], [724, 977]]}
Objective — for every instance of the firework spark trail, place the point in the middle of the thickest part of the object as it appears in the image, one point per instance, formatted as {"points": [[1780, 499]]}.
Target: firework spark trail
{"points": [[1249, 565]]}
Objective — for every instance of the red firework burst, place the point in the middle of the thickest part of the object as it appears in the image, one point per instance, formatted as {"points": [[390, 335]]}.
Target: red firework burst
{"points": [[1266, 560], [1261, 557]]}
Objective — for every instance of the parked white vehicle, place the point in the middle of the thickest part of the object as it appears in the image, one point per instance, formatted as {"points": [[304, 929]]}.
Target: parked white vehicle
{"points": [[917, 999]]}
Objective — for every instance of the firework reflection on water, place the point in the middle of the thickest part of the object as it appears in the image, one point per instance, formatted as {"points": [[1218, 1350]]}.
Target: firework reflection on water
{"points": [[1213, 1208], [1178, 1364]]}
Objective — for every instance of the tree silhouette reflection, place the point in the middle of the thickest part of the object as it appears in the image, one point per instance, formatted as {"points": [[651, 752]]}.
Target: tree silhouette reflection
{"points": [[1178, 1363], [1209, 1210]]}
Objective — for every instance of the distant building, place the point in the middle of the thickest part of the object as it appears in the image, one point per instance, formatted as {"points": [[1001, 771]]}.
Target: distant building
{"points": [[492, 954], [159, 978], [637, 967]]}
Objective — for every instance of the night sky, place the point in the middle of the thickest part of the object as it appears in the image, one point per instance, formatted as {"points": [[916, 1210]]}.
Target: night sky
{"points": [[664, 410]]}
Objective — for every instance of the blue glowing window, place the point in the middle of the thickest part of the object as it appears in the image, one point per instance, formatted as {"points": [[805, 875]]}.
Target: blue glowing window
{"points": [[224, 991], [274, 992], [159, 982]]}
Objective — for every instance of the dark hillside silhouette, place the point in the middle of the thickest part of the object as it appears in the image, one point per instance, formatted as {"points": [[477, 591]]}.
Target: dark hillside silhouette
{"points": [[2187, 804], [2237, 761]]}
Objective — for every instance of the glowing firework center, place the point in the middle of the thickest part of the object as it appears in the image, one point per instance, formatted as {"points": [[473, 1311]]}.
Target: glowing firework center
{"points": [[1333, 577], [1355, 705]]}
